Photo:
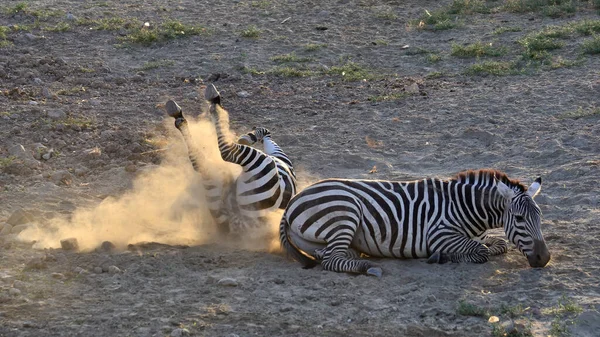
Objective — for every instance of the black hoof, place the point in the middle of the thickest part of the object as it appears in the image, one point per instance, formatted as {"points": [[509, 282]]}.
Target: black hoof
{"points": [[173, 109], [437, 257], [212, 95]]}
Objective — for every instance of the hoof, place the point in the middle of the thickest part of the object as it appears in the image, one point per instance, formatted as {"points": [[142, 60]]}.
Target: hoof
{"points": [[245, 140], [173, 109], [212, 95], [375, 271], [436, 257]]}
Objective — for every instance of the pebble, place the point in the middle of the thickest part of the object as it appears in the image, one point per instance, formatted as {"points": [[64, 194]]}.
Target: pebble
{"points": [[33, 103], [131, 168], [39, 150], [47, 93], [228, 282], [58, 276], [79, 270], [14, 292], [69, 244], [81, 171], [36, 263], [97, 270], [243, 94], [180, 332], [431, 298], [107, 246], [47, 156], [62, 177], [19, 217], [412, 89], [114, 270], [38, 80], [56, 114], [71, 17]]}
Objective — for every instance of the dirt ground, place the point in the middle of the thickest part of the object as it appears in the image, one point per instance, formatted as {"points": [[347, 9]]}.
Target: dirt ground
{"points": [[101, 161]]}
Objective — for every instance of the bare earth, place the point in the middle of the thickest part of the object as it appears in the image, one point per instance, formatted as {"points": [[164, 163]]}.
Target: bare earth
{"points": [[119, 171]]}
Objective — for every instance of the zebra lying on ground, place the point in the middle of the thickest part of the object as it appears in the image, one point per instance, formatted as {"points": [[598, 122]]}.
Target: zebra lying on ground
{"points": [[267, 181], [444, 220]]}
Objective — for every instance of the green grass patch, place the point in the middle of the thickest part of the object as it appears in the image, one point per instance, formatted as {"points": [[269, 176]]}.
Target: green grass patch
{"points": [[560, 62], [40, 14], [59, 27], [291, 72], [111, 23], [386, 15], [587, 27], [477, 49], [6, 161], [492, 68], [262, 4], [591, 46], [433, 58], [352, 71], [578, 113], [314, 46], [291, 57], [551, 8], [74, 91], [503, 30], [168, 30], [381, 42], [468, 7], [251, 32], [437, 20], [389, 97], [469, 309]]}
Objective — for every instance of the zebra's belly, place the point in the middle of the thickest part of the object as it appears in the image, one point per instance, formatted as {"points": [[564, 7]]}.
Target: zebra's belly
{"points": [[399, 248]]}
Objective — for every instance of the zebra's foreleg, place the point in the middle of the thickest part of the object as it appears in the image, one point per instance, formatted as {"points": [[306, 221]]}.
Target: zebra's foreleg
{"points": [[458, 248], [497, 246]]}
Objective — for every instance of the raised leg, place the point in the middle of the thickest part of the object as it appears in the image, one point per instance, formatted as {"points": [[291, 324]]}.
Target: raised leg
{"points": [[449, 246]]}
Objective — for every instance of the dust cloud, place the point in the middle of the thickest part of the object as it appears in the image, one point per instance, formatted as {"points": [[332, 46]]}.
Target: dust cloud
{"points": [[165, 204]]}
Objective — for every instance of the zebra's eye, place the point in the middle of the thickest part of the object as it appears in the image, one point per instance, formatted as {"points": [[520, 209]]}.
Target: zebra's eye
{"points": [[519, 218]]}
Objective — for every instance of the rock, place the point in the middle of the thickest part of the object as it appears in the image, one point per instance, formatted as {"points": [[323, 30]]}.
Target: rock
{"points": [[56, 114], [58, 276], [93, 153], [32, 37], [71, 17], [19, 217], [38, 81], [114, 270], [243, 94], [180, 332], [431, 298], [228, 282], [81, 171], [69, 244], [19, 228], [36, 263], [107, 246], [47, 93], [79, 270], [131, 168], [39, 150], [19, 151], [6, 230], [97, 270], [412, 89], [14, 292], [33, 103], [62, 177], [47, 156]]}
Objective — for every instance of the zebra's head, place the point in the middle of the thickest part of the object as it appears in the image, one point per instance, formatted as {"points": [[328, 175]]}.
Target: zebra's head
{"points": [[522, 220], [256, 135]]}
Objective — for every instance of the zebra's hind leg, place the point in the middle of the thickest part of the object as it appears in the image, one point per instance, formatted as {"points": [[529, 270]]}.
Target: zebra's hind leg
{"points": [[337, 257]]}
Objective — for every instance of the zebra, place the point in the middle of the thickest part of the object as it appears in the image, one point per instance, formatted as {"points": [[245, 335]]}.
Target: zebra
{"points": [[333, 221], [267, 181]]}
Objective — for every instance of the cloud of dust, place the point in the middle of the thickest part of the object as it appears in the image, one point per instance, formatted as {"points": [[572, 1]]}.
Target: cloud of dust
{"points": [[165, 205]]}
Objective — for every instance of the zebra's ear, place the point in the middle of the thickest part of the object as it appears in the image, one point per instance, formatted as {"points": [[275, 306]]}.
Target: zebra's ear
{"points": [[506, 192], [535, 188]]}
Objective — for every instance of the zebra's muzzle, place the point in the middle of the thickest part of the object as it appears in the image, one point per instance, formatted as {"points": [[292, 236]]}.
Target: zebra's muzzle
{"points": [[540, 256]]}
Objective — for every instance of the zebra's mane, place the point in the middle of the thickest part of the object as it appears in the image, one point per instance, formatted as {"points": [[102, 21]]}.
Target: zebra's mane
{"points": [[473, 175]]}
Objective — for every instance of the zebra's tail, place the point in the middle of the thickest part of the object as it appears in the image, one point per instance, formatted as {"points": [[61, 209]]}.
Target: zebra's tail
{"points": [[284, 239]]}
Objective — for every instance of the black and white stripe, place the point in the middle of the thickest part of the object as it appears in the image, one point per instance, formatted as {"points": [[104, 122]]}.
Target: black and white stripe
{"points": [[334, 220], [267, 181]]}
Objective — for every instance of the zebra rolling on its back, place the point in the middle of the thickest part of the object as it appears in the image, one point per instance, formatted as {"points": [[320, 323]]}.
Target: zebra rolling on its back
{"points": [[444, 220], [267, 181]]}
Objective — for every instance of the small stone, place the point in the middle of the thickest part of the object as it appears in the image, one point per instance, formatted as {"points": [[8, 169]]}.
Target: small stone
{"points": [[180, 332], [36, 263], [39, 150], [47, 156], [58, 276], [93, 153], [31, 37], [79, 270], [107, 246], [81, 171], [32, 103], [71, 17], [228, 282], [412, 89], [56, 114], [69, 244], [431, 298], [62, 177], [114, 270], [97, 270], [47, 93], [131, 168], [14, 292], [38, 81], [6, 230], [243, 94], [19, 217]]}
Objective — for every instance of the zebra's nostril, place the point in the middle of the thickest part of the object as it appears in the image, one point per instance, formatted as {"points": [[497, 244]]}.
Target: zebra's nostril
{"points": [[538, 257]]}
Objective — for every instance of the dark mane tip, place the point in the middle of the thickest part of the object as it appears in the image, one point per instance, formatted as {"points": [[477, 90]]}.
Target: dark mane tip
{"points": [[470, 175]]}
